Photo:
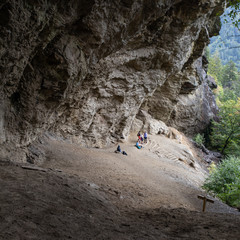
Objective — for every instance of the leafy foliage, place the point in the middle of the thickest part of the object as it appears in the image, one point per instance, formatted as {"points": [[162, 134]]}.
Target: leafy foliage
{"points": [[229, 74], [199, 139], [224, 181], [215, 66], [226, 77], [212, 168], [226, 133], [233, 14]]}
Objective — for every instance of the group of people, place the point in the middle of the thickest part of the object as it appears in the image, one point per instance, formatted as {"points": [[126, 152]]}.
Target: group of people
{"points": [[142, 138]]}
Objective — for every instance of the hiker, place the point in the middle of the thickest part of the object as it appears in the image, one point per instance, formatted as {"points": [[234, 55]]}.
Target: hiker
{"points": [[138, 146], [118, 149], [141, 139], [124, 153], [145, 137], [139, 136]]}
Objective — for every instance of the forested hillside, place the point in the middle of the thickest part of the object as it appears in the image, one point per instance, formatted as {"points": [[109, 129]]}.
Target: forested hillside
{"points": [[227, 43], [223, 55], [225, 133], [224, 66]]}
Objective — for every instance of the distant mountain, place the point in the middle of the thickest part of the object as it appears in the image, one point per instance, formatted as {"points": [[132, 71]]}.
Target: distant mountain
{"points": [[228, 41]]}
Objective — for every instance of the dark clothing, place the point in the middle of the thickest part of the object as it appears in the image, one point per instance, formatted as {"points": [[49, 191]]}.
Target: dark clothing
{"points": [[119, 149]]}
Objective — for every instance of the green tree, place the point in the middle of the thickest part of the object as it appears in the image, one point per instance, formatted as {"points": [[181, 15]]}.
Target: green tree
{"points": [[224, 181], [226, 95], [229, 84], [226, 132], [199, 139], [215, 66], [207, 53], [233, 14], [229, 75]]}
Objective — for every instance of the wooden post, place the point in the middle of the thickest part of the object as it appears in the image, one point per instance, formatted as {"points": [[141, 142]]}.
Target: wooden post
{"points": [[204, 204], [205, 200]]}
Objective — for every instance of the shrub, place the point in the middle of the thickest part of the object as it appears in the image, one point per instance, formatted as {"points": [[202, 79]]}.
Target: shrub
{"points": [[212, 168], [199, 139], [224, 182]]}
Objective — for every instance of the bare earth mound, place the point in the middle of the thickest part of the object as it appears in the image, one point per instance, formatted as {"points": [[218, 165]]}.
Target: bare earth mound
{"points": [[80, 193]]}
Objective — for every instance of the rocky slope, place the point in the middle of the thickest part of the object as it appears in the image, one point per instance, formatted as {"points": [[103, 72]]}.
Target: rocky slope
{"points": [[83, 69]]}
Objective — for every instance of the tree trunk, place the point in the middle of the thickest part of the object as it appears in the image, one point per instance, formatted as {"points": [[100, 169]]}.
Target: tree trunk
{"points": [[226, 143]]}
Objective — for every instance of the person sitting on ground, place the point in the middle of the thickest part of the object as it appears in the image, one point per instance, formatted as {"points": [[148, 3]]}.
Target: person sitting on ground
{"points": [[145, 137], [124, 153], [138, 146], [118, 149]]}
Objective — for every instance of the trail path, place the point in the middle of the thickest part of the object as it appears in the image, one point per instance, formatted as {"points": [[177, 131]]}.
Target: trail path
{"points": [[147, 178]]}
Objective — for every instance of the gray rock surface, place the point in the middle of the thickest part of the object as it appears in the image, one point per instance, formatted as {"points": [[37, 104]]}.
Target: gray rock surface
{"points": [[83, 69], [145, 122]]}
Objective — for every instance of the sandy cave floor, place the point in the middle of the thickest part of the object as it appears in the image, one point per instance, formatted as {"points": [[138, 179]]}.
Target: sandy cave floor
{"points": [[86, 193]]}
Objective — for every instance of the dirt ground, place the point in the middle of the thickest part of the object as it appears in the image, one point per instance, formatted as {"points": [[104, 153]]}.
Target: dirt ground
{"points": [[85, 193]]}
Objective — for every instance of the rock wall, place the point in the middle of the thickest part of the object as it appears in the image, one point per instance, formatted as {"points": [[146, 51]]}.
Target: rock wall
{"points": [[185, 101], [83, 69]]}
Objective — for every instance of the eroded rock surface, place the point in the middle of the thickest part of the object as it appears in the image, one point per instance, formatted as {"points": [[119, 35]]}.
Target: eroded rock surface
{"points": [[83, 69]]}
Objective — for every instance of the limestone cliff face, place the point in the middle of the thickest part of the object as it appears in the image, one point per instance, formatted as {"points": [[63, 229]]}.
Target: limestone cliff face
{"points": [[83, 69], [186, 100]]}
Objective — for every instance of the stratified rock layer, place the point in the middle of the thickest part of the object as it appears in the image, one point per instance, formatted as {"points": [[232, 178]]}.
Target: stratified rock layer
{"points": [[83, 69]]}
